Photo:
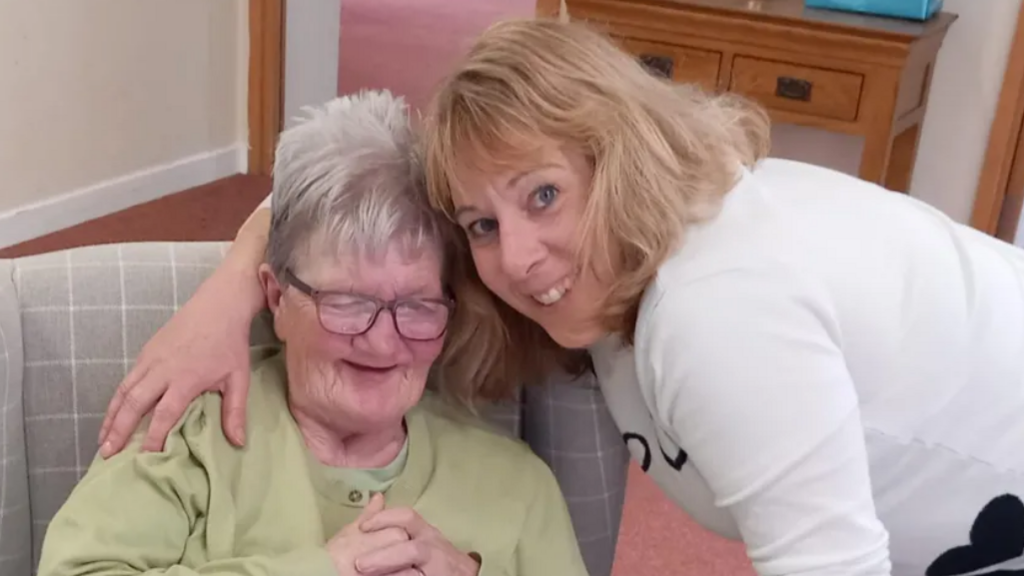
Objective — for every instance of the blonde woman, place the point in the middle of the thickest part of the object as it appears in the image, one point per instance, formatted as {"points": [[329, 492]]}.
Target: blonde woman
{"points": [[829, 372]]}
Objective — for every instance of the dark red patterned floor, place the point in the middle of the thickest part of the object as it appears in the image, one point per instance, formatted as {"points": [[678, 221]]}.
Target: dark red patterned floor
{"points": [[210, 212]]}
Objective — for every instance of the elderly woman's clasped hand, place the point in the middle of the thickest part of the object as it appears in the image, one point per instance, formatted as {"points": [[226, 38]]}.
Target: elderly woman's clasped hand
{"points": [[396, 542], [352, 542]]}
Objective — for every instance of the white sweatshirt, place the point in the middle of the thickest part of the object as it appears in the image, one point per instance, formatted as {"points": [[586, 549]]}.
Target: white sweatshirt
{"points": [[834, 374]]}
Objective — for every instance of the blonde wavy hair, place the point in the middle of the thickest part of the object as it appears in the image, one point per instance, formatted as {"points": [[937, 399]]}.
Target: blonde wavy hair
{"points": [[663, 156]]}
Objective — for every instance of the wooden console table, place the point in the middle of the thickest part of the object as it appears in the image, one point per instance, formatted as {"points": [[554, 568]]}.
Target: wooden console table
{"points": [[843, 72]]}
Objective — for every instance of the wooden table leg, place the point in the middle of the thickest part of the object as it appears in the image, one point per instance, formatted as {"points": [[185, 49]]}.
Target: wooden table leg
{"points": [[874, 161], [902, 157], [878, 103]]}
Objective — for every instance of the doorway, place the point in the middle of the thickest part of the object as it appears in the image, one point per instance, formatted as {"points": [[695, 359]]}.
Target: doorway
{"points": [[387, 44]]}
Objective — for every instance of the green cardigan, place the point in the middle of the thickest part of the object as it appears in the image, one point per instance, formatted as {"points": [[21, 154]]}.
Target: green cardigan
{"points": [[205, 507]]}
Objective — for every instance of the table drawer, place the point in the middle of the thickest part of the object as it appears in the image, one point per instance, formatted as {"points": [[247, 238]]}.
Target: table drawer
{"points": [[797, 88], [680, 63]]}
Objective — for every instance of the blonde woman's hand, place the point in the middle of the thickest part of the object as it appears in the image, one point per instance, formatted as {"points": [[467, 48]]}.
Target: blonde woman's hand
{"points": [[426, 553], [351, 541], [204, 347]]}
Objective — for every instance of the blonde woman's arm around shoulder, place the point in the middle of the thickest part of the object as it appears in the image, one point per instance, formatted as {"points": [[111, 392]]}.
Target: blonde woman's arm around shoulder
{"points": [[747, 374], [136, 512], [204, 347], [547, 540]]}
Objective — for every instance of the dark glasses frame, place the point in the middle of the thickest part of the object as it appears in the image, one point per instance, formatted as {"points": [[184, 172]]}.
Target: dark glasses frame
{"points": [[390, 305]]}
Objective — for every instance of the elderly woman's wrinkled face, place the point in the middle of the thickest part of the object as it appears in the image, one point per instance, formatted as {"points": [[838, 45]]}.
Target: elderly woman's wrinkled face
{"points": [[368, 380]]}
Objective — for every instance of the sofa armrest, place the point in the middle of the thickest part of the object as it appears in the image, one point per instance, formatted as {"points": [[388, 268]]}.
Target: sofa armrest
{"points": [[15, 520], [85, 315]]}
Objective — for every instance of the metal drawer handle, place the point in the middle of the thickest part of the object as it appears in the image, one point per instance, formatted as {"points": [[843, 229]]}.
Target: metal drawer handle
{"points": [[658, 65], [793, 88]]}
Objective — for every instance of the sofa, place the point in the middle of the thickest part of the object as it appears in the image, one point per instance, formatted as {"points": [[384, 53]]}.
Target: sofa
{"points": [[72, 323]]}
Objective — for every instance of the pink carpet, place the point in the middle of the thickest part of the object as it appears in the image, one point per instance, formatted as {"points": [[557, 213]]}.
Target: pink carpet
{"points": [[659, 539], [407, 47]]}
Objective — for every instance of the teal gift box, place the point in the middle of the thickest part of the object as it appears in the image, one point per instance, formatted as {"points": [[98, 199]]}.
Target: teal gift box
{"points": [[911, 9]]}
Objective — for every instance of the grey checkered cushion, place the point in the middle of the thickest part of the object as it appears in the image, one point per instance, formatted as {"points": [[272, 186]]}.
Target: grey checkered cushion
{"points": [[82, 315]]}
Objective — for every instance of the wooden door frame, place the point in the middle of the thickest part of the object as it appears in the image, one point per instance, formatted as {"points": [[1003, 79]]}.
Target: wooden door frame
{"points": [[1000, 194], [266, 82]]}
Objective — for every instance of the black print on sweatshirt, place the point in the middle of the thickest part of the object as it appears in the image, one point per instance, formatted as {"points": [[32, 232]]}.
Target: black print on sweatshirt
{"points": [[996, 536], [676, 462]]}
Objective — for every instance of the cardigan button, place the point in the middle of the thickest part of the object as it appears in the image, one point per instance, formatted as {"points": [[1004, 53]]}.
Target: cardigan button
{"points": [[355, 496]]}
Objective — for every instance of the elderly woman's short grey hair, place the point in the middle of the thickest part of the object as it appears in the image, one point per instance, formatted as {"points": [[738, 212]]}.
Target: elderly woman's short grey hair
{"points": [[348, 180]]}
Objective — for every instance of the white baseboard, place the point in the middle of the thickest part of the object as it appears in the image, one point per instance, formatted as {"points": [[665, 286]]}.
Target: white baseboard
{"points": [[59, 212]]}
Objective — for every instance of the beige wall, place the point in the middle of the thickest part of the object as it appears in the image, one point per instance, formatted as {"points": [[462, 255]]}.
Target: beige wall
{"points": [[93, 90], [311, 55]]}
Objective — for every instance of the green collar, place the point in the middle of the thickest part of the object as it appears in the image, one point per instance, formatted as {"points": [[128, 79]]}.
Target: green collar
{"points": [[419, 467], [407, 487]]}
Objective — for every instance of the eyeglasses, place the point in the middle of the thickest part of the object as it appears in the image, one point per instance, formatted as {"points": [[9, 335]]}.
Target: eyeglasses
{"points": [[349, 314]]}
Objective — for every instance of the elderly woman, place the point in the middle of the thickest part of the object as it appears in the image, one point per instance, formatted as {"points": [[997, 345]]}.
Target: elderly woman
{"points": [[348, 469]]}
